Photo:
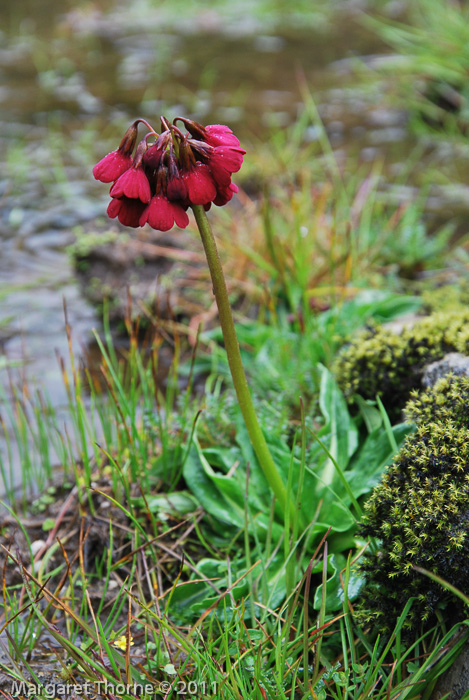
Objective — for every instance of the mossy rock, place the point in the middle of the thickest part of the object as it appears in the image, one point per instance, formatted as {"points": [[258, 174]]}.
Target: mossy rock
{"points": [[419, 513], [379, 362]]}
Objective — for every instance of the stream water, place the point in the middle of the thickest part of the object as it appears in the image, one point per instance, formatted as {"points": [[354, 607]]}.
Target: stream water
{"points": [[73, 74]]}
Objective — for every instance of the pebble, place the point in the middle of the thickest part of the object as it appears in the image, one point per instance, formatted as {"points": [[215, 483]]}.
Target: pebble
{"points": [[36, 546]]}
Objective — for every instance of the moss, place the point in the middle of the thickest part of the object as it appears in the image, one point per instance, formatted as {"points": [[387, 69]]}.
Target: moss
{"points": [[449, 297], [446, 402], [420, 515], [435, 335], [374, 363], [86, 242], [462, 341], [379, 362]]}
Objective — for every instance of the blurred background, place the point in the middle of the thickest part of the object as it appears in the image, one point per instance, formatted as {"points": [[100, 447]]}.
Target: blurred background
{"points": [[369, 91], [74, 74]]}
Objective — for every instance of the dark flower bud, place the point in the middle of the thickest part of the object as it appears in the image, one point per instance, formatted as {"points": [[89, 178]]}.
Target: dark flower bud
{"points": [[129, 140], [194, 128], [176, 188], [155, 153]]}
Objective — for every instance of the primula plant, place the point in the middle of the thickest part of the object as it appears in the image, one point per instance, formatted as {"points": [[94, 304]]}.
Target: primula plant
{"points": [[155, 182]]}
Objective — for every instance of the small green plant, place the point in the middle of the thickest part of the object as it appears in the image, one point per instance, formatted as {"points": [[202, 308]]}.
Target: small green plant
{"points": [[156, 185]]}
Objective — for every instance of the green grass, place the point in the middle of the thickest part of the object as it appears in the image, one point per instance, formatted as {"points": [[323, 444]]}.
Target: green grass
{"points": [[431, 65]]}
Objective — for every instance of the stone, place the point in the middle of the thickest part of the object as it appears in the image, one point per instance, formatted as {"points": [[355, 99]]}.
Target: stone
{"points": [[453, 362], [454, 684]]}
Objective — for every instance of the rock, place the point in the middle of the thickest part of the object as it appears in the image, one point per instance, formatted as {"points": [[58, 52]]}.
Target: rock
{"points": [[453, 362], [36, 546], [53, 239], [454, 684]]}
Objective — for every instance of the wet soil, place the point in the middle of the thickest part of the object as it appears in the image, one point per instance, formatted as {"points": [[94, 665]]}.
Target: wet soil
{"points": [[162, 275]]}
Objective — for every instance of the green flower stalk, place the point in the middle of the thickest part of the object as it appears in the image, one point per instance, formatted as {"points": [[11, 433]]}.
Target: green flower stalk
{"points": [[236, 366]]}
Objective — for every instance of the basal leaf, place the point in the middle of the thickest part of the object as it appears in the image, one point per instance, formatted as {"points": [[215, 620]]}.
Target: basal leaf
{"points": [[343, 439], [334, 588], [367, 466]]}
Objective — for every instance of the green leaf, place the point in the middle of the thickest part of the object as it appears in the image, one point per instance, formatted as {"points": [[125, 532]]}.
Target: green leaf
{"points": [[260, 492], [169, 669], [335, 515], [219, 495], [191, 599], [176, 503], [334, 589], [343, 433], [381, 305], [223, 494], [371, 415], [222, 457], [368, 465], [48, 524]]}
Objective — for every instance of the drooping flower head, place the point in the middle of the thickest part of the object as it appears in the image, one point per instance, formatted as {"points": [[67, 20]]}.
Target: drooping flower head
{"points": [[170, 172]]}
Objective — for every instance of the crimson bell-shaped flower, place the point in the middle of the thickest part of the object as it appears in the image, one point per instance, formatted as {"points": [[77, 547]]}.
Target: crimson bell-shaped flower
{"points": [[134, 182], [176, 189], [220, 135], [200, 185], [112, 166], [117, 162], [225, 160], [128, 211], [161, 214]]}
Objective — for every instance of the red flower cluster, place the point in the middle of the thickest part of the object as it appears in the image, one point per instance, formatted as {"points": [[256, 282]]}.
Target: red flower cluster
{"points": [[158, 182]]}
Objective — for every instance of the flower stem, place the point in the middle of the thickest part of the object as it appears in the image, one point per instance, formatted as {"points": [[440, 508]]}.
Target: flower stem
{"points": [[236, 366]]}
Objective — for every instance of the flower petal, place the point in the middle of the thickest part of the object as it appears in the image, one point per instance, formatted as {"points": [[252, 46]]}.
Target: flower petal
{"points": [[133, 184], [161, 214], [112, 166], [128, 211], [176, 188], [220, 135], [225, 195], [229, 158], [200, 185], [180, 216], [113, 208], [152, 156]]}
